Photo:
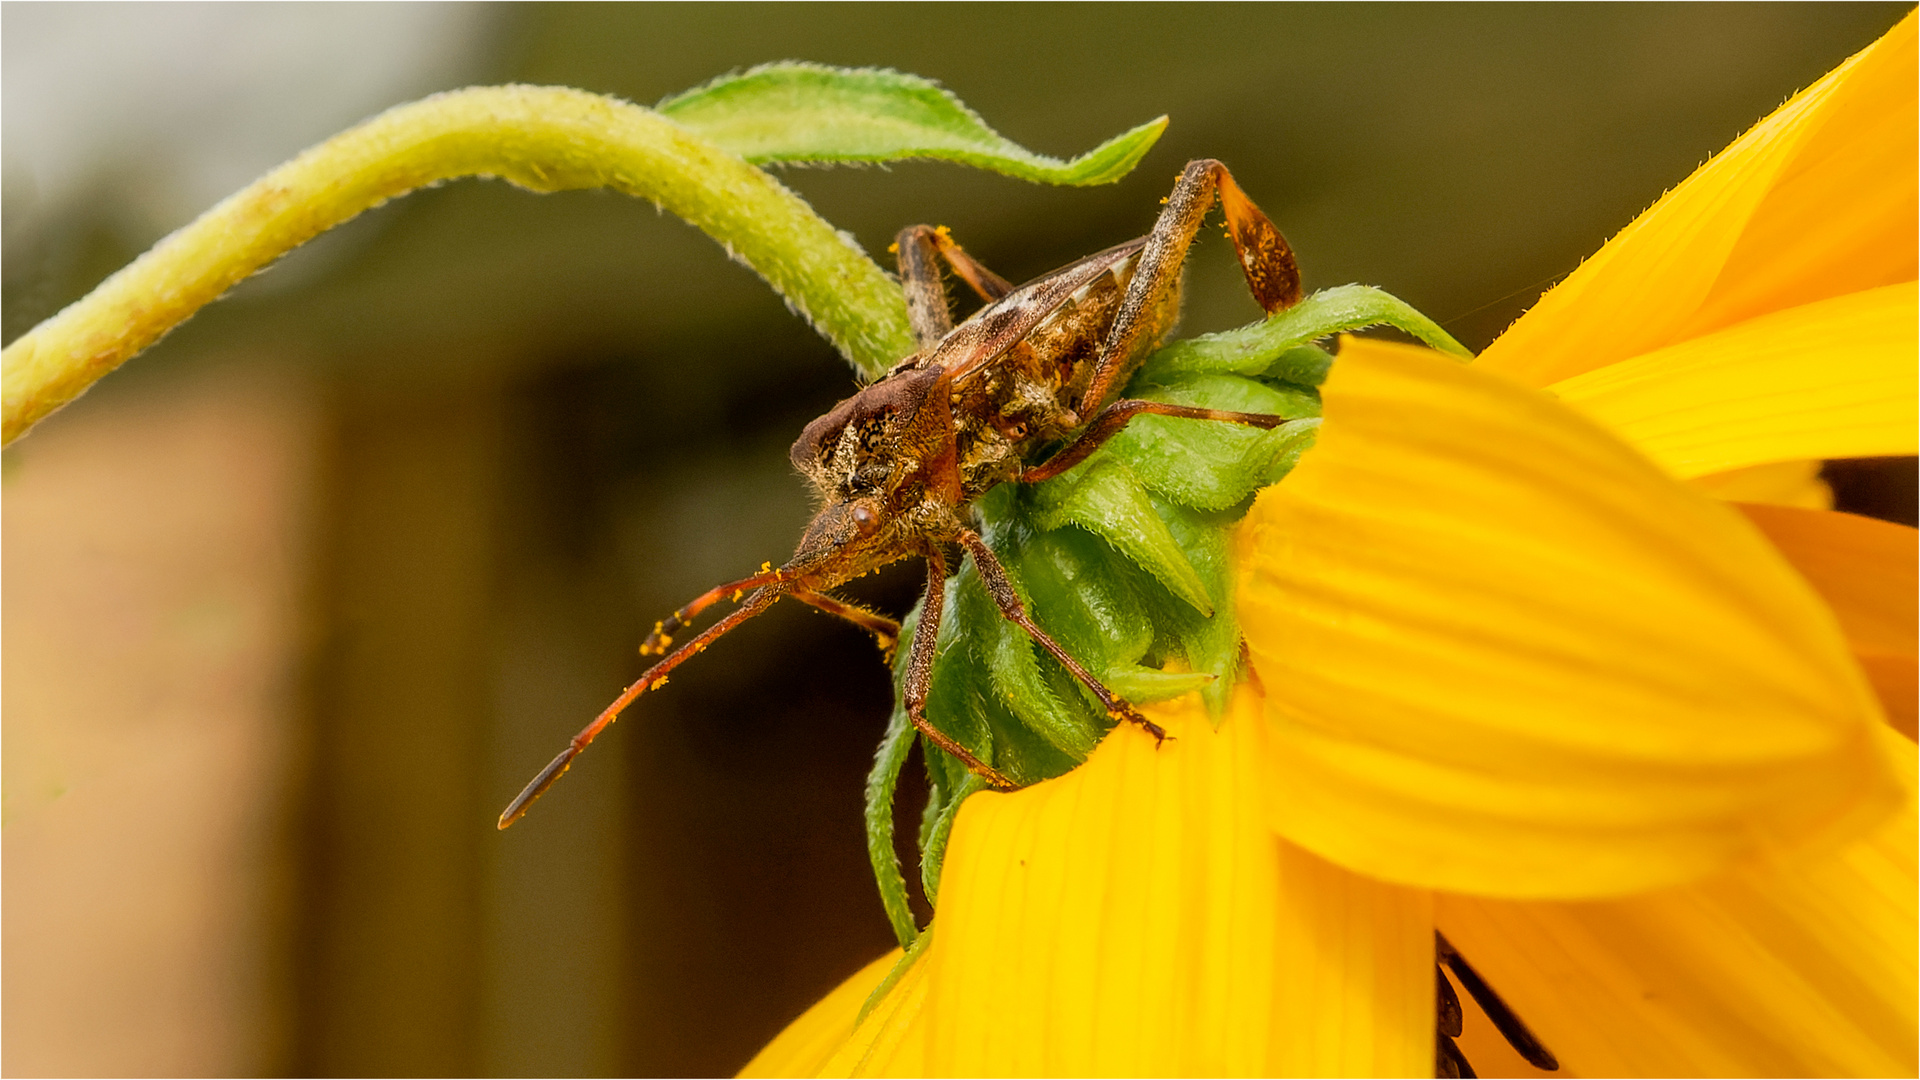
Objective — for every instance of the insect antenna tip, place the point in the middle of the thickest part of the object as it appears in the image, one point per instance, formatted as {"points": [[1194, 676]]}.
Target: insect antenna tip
{"points": [[537, 787]]}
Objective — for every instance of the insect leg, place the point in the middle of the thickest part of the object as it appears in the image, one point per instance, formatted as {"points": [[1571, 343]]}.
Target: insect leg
{"points": [[1517, 1034], [1268, 262], [655, 676], [920, 672], [1001, 589], [917, 247], [1115, 417], [884, 630], [663, 631]]}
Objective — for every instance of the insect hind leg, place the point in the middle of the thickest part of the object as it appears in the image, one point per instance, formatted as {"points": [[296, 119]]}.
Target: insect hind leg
{"points": [[1265, 257], [994, 576], [1115, 417]]}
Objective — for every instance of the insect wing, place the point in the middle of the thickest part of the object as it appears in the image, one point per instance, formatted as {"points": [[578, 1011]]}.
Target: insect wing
{"points": [[1004, 323]]}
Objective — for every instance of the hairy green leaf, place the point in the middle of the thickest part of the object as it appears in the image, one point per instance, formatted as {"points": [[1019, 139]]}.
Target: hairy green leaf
{"points": [[807, 112]]}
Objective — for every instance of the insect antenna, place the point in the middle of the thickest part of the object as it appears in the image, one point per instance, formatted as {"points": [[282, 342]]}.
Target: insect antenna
{"points": [[661, 637], [768, 587]]}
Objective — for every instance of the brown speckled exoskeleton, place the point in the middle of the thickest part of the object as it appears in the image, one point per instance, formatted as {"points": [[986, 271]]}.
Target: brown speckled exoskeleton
{"points": [[898, 464]]}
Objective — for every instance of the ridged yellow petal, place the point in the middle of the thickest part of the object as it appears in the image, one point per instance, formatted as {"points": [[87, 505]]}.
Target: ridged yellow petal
{"points": [[1782, 483], [1507, 655], [1791, 970], [1825, 380], [811, 1040], [1827, 200], [1865, 571], [892, 1040], [1137, 918]]}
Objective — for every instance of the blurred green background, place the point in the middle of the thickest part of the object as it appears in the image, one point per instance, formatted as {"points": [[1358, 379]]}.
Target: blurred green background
{"points": [[514, 430]]}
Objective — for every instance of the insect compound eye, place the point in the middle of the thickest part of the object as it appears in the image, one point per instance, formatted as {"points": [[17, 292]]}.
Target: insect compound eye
{"points": [[865, 517]]}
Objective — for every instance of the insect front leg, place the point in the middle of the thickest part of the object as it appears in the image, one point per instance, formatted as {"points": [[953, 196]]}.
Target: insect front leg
{"points": [[1272, 275], [919, 249], [885, 631], [1001, 589], [920, 672]]}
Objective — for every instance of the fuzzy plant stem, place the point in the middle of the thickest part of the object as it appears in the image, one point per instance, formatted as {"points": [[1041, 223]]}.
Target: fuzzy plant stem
{"points": [[542, 138]]}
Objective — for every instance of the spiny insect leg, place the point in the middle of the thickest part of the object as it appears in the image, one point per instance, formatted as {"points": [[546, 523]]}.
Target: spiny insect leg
{"points": [[884, 630], [917, 247], [920, 673], [1001, 589], [1516, 1032], [1114, 417], [655, 676], [1267, 260]]}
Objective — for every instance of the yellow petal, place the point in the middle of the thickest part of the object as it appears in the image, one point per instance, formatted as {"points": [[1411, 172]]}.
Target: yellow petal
{"points": [[1793, 970], [892, 1040], [1897, 680], [1655, 283], [1782, 483], [1136, 917], [811, 1040], [1506, 655], [1831, 379], [1865, 571], [1843, 216]]}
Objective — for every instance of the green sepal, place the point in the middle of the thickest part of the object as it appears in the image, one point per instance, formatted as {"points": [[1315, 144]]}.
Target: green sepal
{"points": [[881, 783], [965, 700], [1032, 697], [1253, 350], [796, 112], [1145, 685], [1207, 463], [1100, 617], [1103, 496], [934, 851], [1211, 646]]}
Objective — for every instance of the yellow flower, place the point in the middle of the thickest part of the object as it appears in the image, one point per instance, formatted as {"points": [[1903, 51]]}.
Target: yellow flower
{"points": [[1521, 676]]}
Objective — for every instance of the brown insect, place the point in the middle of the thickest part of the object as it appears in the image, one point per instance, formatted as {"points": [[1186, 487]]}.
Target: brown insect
{"points": [[897, 464]]}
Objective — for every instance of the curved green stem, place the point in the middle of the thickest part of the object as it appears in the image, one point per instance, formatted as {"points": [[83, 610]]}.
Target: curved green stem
{"points": [[543, 138]]}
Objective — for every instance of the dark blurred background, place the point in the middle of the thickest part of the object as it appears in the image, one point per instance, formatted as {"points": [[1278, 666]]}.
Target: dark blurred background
{"points": [[297, 601]]}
